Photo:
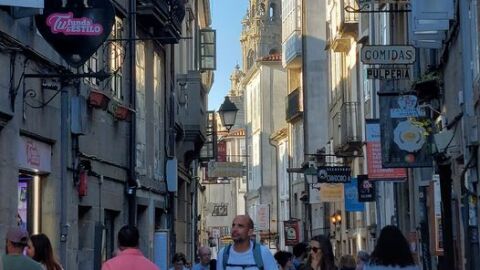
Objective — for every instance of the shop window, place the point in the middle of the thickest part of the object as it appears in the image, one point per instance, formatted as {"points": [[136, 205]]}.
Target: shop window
{"points": [[109, 244], [28, 209]]}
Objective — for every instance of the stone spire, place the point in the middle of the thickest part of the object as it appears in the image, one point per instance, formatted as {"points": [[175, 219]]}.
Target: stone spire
{"points": [[262, 31]]}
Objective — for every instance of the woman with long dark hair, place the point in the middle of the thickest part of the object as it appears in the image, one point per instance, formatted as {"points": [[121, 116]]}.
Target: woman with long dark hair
{"points": [[391, 252], [40, 249], [320, 255]]}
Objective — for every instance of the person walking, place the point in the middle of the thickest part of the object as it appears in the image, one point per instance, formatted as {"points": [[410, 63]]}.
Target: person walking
{"points": [[320, 256], [300, 253], [129, 256], [244, 254], [213, 264], [179, 262], [284, 260], [362, 259], [40, 249], [391, 252], [16, 241], [205, 255], [347, 262]]}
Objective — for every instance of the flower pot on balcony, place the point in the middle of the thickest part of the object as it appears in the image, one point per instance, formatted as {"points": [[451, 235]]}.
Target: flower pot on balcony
{"points": [[98, 99], [122, 112]]}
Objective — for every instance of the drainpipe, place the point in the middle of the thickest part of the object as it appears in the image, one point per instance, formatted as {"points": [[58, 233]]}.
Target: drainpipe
{"points": [[305, 120], [64, 132], [131, 186], [278, 187], [375, 113], [470, 138]]}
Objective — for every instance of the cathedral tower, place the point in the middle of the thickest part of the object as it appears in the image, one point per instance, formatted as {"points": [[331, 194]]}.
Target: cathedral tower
{"points": [[262, 31]]}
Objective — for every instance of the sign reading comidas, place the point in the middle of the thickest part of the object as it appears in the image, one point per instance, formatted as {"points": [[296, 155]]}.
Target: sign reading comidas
{"points": [[74, 29]]}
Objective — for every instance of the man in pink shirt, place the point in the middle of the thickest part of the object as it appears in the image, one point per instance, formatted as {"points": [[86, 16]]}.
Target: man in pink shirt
{"points": [[129, 256]]}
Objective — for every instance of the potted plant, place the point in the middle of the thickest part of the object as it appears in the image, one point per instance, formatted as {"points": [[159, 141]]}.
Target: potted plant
{"points": [[427, 86], [98, 99], [120, 111]]}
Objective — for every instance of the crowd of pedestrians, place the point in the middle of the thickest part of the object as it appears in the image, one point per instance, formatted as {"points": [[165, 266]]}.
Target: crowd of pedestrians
{"points": [[391, 252]]}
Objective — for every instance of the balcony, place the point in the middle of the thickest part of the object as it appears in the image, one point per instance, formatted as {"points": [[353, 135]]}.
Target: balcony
{"points": [[348, 20], [292, 51], [347, 129], [163, 16], [294, 108], [193, 116]]}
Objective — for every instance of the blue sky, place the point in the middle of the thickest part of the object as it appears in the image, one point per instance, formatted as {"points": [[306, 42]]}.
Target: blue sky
{"points": [[226, 19]]}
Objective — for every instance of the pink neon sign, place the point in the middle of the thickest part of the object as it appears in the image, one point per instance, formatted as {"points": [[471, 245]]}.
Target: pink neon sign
{"points": [[69, 26]]}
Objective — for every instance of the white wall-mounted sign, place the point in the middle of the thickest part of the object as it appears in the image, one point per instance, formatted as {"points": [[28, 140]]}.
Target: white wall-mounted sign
{"points": [[262, 222], [23, 3], [388, 54], [34, 156]]}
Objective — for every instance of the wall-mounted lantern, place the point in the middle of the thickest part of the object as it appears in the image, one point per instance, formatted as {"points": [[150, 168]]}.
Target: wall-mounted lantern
{"points": [[228, 113]]}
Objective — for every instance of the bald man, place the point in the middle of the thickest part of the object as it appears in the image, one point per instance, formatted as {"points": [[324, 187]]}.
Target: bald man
{"points": [[242, 254], [205, 254]]}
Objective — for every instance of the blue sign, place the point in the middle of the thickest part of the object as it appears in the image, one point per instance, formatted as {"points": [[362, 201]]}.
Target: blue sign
{"points": [[351, 197]]}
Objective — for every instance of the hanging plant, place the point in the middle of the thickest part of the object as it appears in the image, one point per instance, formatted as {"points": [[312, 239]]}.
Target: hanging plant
{"points": [[427, 86]]}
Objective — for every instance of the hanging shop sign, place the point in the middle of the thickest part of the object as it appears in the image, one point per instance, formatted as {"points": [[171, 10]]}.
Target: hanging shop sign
{"points": [[338, 174], [23, 3], [330, 193], [405, 136], [366, 189], [76, 30], [387, 55], [220, 209], [352, 204], [388, 73], [292, 232], [225, 169], [34, 156], [374, 155]]}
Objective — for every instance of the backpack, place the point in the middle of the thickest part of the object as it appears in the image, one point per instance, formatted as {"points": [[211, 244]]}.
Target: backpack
{"points": [[257, 256]]}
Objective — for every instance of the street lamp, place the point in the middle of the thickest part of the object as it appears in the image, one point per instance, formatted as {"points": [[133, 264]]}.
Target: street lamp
{"points": [[228, 113], [336, 219]]}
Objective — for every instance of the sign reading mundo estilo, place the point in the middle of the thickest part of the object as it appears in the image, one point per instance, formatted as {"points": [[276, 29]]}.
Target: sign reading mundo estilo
{"points": [[76, 30]]}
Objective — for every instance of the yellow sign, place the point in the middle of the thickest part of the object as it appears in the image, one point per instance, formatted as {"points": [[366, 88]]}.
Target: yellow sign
{"points": [[331, 192]]}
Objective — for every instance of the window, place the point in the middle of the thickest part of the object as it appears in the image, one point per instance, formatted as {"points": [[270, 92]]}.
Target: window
{"points": [[91, 66], [272, 11], [475, 39], [117, 54], [109, 244]]}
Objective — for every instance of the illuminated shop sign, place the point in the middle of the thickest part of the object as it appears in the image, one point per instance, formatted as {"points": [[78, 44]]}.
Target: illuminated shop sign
{"points": [[74, 29]]}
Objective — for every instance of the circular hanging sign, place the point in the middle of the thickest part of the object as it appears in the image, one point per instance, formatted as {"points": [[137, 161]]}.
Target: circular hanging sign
{"points": [[409, 137], [76, 28]]}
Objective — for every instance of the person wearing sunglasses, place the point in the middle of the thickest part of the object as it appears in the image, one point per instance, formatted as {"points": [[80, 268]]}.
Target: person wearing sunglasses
{"points": [[320, 254]]}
